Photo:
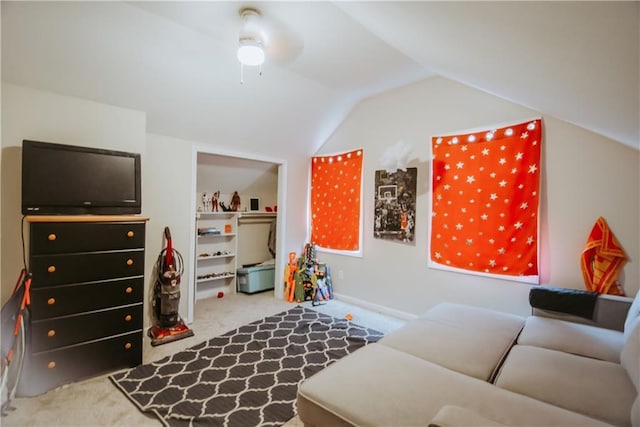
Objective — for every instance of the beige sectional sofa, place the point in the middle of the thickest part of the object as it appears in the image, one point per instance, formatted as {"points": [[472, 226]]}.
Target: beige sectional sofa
{"points": [[459, 365]]}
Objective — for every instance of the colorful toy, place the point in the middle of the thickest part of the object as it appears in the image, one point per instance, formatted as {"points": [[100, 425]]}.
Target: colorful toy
{"points": [[307, 280], [324, 289], [206, 202], [214, 201], [289, 277], [235, 201]]}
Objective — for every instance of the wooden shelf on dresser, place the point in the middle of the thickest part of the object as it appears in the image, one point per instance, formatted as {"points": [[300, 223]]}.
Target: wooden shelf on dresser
{"points": [[87, 293]]}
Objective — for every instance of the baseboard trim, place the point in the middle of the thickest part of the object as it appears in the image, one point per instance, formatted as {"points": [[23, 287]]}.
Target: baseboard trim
{"points": [[375, 307]]}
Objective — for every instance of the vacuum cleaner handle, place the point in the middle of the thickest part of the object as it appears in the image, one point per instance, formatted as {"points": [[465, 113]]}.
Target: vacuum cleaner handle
{"points": [[169, 257]]}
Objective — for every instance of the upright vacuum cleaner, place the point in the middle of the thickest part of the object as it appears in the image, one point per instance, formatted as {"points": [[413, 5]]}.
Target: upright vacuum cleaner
{"points": [[168, 325]]}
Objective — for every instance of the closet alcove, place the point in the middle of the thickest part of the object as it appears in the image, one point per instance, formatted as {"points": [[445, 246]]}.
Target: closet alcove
{"points": [[224, 242]]}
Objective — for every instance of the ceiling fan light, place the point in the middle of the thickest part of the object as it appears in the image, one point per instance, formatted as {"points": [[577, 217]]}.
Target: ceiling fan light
{"points": [[250, 53]]}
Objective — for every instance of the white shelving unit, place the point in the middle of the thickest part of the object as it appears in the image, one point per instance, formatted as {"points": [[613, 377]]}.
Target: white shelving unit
{"points": [[216, 252]]}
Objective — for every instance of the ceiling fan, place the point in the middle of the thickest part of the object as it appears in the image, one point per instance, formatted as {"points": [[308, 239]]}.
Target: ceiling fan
{"points": [[262, 38]]}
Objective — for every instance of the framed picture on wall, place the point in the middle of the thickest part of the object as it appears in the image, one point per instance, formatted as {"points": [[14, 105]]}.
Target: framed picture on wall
{"points": [[395, 205], [254, 203]]}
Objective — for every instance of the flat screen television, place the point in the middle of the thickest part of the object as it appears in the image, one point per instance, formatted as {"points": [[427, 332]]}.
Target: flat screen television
{"points": [[60, 179]]}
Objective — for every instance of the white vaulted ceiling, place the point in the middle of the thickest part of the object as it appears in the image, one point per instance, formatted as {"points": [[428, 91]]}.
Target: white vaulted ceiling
{"points": [[577, 61]]}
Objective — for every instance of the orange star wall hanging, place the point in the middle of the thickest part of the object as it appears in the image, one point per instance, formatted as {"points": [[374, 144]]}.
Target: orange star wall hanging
{"points": [[336, 188], [485, 197]]}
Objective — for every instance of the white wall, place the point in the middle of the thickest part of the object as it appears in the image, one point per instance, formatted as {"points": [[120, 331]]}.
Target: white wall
{"points": [[250, 178], [43, 116], [584, 176], [167, 200], [171, 202], [253, 239], [166, 166]]}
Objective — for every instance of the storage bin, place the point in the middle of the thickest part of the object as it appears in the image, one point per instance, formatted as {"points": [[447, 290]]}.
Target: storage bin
{"points": [[256, 279]]}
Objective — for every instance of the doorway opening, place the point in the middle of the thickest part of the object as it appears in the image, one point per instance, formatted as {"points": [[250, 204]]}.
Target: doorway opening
{"points": [[238, 218]]}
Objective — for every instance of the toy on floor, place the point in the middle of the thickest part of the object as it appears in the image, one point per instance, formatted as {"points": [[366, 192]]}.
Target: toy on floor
{"points": [[289, 277], [308, 280], [323, 289]]}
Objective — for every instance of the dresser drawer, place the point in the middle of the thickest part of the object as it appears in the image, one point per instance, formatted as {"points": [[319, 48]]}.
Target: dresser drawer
{"points": [[49, 369], [59, 332], [51, 270], [61, 300], [63, 237]]}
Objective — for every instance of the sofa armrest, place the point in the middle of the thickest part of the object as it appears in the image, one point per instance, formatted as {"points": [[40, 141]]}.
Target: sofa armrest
{"points": [[575, 305], [611, 311], [569, 301]]}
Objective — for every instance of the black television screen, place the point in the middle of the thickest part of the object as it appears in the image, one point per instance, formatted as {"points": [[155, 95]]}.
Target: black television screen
{"points": [[74, 180]]}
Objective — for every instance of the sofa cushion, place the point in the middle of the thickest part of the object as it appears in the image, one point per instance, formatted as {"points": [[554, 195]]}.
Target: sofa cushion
{"points": [[469, 340], [478, 318], [597, 388], [456, 416], [575, 338], [380, 386]]}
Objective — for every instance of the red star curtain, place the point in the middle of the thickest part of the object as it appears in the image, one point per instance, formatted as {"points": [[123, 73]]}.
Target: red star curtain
{"points": [[336, 200], [485, 195], [602, 260]]}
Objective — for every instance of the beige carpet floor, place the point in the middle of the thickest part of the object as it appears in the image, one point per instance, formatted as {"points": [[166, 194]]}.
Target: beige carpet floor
{"points": [[97, 402]]}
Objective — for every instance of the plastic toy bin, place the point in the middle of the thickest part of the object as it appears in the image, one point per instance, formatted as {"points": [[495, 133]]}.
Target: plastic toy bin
{"points": [[256, 279]]}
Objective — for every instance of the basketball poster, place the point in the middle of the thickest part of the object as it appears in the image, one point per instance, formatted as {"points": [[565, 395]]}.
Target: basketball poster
{"points": [[395, 205]]}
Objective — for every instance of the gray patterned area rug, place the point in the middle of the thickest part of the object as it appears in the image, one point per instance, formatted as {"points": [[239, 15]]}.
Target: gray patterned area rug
{"points": [[246, 377]]}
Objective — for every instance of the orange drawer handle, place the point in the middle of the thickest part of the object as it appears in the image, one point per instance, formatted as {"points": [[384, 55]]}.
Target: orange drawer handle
{"points": [[51, 269], [127, 318], [130, 233], [127, 346], [129, 289], [51, 365], [51, 301], [52, 237], [129, 261], [51, 333]]}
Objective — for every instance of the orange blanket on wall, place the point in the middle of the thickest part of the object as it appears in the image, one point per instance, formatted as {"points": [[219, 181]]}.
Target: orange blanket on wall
{"points": [[335, 200], [485, 196], [602, 260]]}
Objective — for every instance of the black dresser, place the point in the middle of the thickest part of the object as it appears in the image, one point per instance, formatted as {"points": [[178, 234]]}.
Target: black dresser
{"points": [[87, 293]]}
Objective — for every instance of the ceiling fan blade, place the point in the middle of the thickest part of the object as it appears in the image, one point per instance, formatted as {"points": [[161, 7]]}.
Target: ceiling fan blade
{"points": [[282, 45], [283, 48]]}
